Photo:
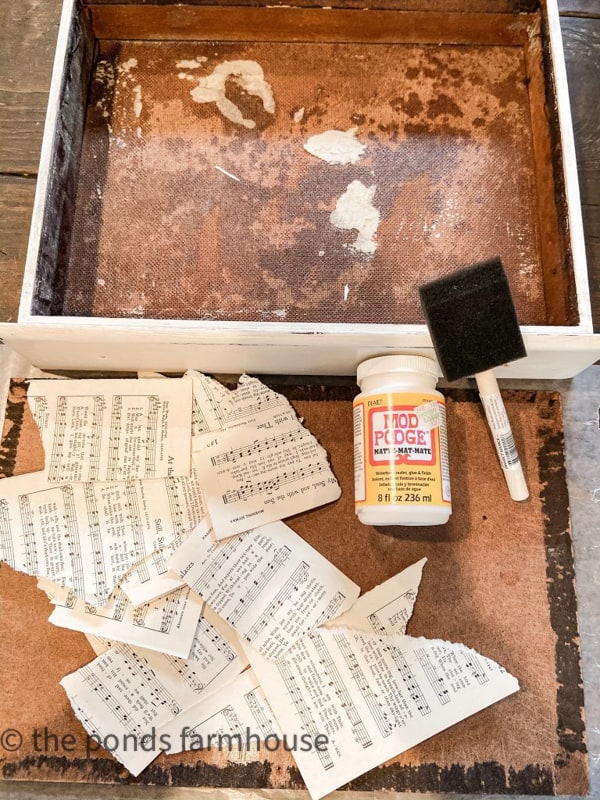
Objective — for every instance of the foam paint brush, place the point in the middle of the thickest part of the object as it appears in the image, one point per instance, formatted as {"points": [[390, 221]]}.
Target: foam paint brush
{"points": [[474, 328]]}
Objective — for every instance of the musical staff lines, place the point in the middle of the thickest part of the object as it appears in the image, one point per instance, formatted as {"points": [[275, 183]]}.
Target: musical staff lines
{"points": [[260, 446], [114, 706], [179, 518], [58, 440], [6, 542], [359, 730], [273, 484], [404, 602], [114, 438], [381, 719], [258, 711], [201, 422], [435, 679], [39, 409], [137, 530], [333, 605], [266, 401], [245, 602], [216, 640], [156, 691], [203, 583], [409, 680], [201, 654], [96, 438], [473, 664], [95, 538], [303, 710], [151, 436], [298, 576]]}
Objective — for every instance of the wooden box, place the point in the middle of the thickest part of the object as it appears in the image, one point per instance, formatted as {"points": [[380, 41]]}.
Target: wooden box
{"points": [[180, 222]]}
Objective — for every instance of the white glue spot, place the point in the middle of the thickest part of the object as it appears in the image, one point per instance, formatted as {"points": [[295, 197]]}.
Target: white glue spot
{"points": [[137, 100], [101, 282], [126, 67], [336, 147], [354, 210], [248, 75], [321, 253], [299, 115], [191, 63], [346, 291]]}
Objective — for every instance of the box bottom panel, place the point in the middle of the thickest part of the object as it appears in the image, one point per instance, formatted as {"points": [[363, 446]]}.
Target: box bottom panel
{"points": [[198, 200]]}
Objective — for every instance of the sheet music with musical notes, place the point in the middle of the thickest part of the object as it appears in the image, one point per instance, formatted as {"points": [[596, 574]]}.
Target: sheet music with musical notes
{"points": [[254, 404], [152, 578], [374, 695], [388, 607], [87, 536], [211, 403], [127, 693], [251, 477], [268, 584], [113, 430], [167, 624], [239, 707]]}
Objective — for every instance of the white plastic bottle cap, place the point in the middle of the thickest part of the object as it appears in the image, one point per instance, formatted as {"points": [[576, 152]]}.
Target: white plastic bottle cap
{"points": [[397, 363]]}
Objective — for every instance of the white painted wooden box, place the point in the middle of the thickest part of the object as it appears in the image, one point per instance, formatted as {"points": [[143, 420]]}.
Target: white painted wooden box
{"points": [[180, 222]]}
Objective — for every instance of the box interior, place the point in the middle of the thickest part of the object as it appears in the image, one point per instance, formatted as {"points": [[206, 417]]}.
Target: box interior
{"points": [[180, 191]]}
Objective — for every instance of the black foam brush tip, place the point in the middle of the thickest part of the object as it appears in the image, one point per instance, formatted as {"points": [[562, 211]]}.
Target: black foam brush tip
{"points": [[472, 320]]}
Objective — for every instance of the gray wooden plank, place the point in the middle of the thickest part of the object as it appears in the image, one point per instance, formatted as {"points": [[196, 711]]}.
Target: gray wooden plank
{"points": [[579, 8], [28, 31], [581, 40], [591, 224], [16, 202]]}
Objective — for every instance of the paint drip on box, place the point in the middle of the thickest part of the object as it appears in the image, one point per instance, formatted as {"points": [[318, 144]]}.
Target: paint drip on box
{"points": [[401, 473]]}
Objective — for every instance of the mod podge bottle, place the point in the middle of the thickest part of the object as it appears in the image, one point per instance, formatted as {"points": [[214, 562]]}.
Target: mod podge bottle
{"points": [[401, 474]]}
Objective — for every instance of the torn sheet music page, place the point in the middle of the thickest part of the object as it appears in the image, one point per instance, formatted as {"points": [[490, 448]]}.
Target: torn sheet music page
{"points": [[113, 430], [269, 584], [236, 719], [372, 696], [211, 402], [87, 536], [253, 403], [152, 578], [387, 608], [98, 644], [250, 477], [126, 693], [167, 625]]}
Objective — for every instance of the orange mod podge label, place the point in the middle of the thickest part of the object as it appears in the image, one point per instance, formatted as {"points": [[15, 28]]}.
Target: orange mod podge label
{"points": [[401, 450]]}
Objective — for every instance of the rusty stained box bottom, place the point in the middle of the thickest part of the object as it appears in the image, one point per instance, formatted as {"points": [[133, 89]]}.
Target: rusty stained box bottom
{"points": [[159, 231]]}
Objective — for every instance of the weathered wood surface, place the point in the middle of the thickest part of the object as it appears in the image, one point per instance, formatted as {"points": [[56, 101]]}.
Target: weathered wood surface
{"points": [[16, 199], [28, 32], [581, 41], [582, 8]]}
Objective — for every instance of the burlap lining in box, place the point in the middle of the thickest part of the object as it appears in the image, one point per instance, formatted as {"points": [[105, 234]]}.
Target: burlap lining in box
{"points": [[160, 231]]}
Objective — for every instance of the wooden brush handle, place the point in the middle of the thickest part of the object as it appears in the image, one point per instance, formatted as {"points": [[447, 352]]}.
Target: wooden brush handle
{"points": [[499, 424]]}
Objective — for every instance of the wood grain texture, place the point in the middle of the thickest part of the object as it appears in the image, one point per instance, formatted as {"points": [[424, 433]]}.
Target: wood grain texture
{"points": [[579, 8], [16, 201], [28, 31], [581, 41]]}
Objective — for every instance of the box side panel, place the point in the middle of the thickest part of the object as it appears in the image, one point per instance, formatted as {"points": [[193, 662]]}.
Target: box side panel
{"points": [[63, 170], [74, 347]]}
